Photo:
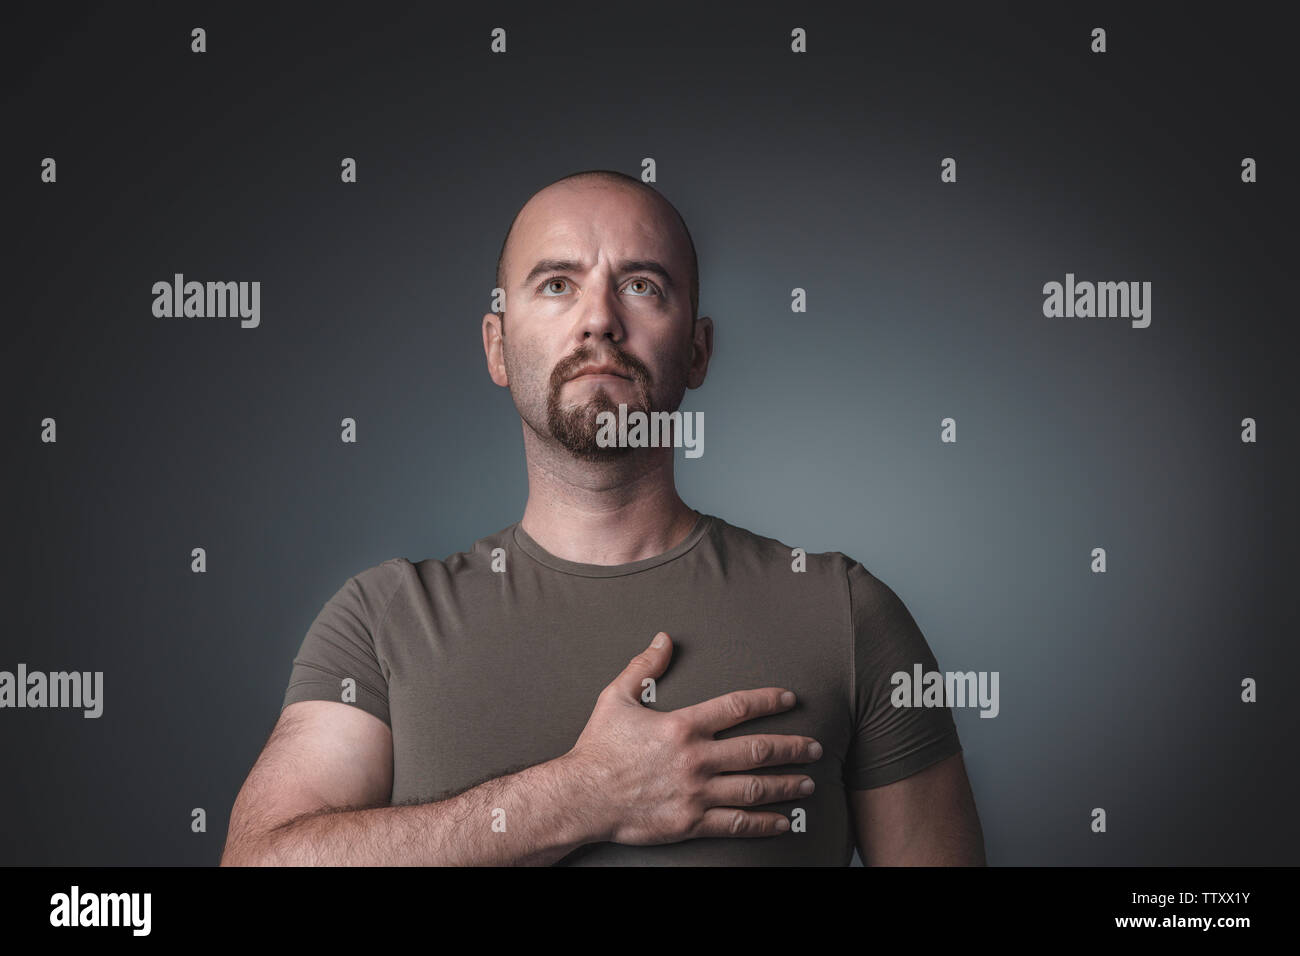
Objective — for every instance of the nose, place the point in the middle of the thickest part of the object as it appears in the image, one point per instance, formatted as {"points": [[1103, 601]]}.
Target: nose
{"points": [[599, 313]]}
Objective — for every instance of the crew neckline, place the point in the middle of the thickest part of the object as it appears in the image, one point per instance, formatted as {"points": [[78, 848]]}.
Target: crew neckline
{"points": [[539, 554]]}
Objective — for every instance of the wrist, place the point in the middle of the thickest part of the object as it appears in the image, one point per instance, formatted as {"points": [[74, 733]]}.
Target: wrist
{"points": [[582, 784]]}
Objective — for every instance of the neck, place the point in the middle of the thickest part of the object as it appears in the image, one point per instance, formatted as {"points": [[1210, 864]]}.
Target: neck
{"points": [[611, 512]]}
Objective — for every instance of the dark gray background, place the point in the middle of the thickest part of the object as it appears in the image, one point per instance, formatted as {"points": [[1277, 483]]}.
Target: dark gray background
{"points": [[822, 429]]}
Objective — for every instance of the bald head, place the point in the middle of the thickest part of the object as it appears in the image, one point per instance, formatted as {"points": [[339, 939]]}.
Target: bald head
{"points": [[611, 179]]}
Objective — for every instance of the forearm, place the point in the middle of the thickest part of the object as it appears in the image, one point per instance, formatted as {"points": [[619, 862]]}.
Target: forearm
{"points": [[531, 818]]}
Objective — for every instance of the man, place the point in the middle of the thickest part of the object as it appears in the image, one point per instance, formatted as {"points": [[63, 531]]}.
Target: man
{"points": [[617, 678]]}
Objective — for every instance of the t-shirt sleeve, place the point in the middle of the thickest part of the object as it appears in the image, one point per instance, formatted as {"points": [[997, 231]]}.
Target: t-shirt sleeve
{"points": [[341, 644], [889, 743]]}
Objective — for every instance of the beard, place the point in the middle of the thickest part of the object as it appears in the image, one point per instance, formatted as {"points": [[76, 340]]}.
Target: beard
{"points": [[575, 426]]}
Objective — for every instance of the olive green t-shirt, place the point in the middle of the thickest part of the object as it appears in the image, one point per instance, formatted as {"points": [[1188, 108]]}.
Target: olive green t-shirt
{"points": [[491, 660]]}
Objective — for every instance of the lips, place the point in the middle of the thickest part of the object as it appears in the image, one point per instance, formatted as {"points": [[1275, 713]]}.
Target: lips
{"points": [[598, 370]]}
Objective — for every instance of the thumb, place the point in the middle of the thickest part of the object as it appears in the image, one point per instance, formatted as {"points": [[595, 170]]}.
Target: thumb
{"points": [[651, 662]]}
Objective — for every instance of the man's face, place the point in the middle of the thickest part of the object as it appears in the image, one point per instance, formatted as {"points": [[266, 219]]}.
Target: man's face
{"points": [[592, 321]]}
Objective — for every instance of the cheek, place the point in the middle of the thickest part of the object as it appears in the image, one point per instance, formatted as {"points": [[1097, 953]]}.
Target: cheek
{"points": [[528, 370], [677, 352]]}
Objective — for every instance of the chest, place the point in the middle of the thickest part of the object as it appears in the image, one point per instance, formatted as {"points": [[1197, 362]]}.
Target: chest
{"points": [[479, 692]]}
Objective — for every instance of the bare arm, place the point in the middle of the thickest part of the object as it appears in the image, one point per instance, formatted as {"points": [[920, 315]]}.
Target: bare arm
{"points": [[318, 796], [927, 819]]}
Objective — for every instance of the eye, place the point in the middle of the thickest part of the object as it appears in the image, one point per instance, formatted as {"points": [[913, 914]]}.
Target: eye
{"points": [[549, 287], [645, 282]]}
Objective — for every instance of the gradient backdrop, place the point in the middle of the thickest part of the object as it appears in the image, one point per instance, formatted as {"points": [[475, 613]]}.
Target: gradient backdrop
{"points": [[821, 171]]}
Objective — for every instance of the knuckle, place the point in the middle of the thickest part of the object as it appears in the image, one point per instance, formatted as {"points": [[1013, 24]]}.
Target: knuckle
{"points": [[679, 728], [753, 791], [685, 763], [760, 748], [737, 707], [736, 824], [695, 825], [683, 822]]}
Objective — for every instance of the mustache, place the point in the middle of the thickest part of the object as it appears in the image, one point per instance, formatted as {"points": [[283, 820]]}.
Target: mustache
{"points": [[623, 363]]}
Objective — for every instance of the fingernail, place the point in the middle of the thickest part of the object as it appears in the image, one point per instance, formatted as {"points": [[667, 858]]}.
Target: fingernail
{"points": [[814, 750], [783, 824], [787, 698], [658, 641], [806, 787]]}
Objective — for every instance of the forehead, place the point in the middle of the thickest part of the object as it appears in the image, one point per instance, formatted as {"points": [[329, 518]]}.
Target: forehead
{"points": [[584, 221]]}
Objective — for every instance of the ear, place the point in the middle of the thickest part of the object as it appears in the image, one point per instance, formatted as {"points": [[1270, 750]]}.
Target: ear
{"points": [[701, 351], [493, 348]]}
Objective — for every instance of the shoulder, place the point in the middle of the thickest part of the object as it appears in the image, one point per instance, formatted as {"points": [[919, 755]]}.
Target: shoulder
{"points": [[364, 597], [742, 544], [371, 593], [844, 577], [477, 559]]}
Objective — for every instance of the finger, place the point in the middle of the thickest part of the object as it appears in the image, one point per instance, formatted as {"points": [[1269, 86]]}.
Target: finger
{"points": [[758, 750], [752, 789], [651, 662], [719, 713], [731, 822]]}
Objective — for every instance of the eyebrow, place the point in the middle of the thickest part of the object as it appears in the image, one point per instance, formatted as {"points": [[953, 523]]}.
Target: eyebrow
{"points": [[627, 265]]}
